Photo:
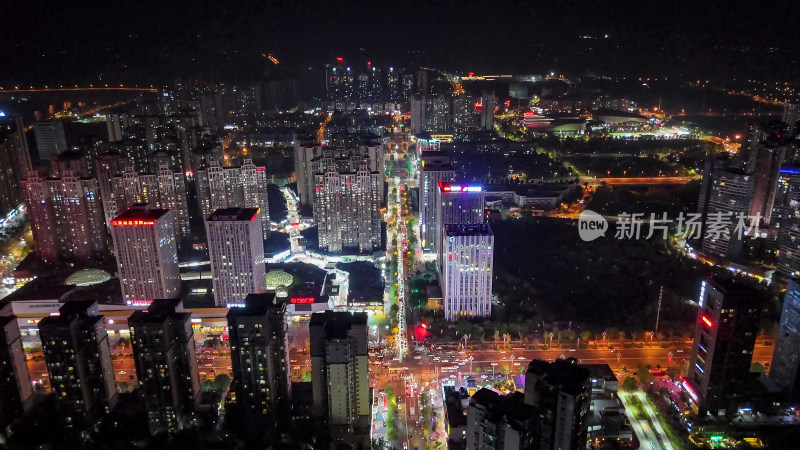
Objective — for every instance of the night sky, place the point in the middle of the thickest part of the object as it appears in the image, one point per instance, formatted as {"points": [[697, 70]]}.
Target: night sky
{"points": [[155, 41]]}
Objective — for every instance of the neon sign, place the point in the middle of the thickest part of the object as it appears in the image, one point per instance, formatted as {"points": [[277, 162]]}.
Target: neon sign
{"points": [[303, 300], [688, 388], [702, 293], [707, 321], [127, 223]]}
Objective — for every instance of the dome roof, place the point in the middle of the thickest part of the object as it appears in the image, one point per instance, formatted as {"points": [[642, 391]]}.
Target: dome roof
{"points": [[277, 278], [88, 277]]}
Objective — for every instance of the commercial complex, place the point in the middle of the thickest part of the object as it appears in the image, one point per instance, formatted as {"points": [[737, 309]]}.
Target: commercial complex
{"points": [[236, 251], [166, 363], [78, 359], [147, 256], [725, 335], [259, 356], [340, 373], [467, 260]]}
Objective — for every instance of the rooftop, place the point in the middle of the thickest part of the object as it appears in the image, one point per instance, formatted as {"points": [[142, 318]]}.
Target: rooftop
{"points": [[139, 216], [337, 323], [234, 215], [256, 305]]}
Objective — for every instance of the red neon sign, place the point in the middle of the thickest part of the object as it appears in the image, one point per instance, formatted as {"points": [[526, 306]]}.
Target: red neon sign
{"points": [[707, 321], [127, 223], [296, 300], [340, 58]]}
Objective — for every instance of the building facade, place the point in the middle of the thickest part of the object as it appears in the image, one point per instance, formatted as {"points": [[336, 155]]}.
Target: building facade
{"points": [[467, 261], [340, 373], [147, 256], [786, 356], [166, 363], [78, 360], [434, 169], [725, 334], [16, 391], [457, 203], [236, 251], [259, 356], [730, 196], [234, 187]]}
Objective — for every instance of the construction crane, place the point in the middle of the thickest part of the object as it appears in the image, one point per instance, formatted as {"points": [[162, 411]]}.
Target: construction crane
{"points": [[271, 58]]}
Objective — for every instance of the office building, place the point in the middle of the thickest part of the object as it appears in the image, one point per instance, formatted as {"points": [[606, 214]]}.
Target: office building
{"points": [[233, 187], [348, 184], [67, 221], [16, 391], [500, 422], [164, 190], [790, 116], [786, 218], [561, 393], [725, 334], [340, 373], [730, 195], [116, 122], [147, 256], [786, 356], [467, 261], [769, 158], [236, 251], [15, 162], [434, 170], [303, 155], [50, 139], [417, 114], [78, 359], [464, 118], [457, 203], [488, 105], [166, 363], [106, 167], [259, 356]]}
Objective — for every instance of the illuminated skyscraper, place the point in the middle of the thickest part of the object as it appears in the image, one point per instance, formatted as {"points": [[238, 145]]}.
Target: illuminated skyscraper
{"points": [[730, 194], [259, 356], [236, 250], [791, 114], [436, 167], [348, 185], [147, 256], [488, 104], [786, 218], [725, 334], [234, 187], [78, 359], [67, 220], [166, 363], [457, 203], [467, 260]]}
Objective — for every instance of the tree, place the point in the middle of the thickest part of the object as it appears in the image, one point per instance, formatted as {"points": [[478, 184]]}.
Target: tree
{"points": [[221, 382], [629, 384], [206, 385], [644, 375]]}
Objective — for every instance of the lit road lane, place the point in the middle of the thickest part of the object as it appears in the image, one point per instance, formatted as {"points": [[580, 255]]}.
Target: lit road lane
{"points": [[654, 420], [647, 440]]}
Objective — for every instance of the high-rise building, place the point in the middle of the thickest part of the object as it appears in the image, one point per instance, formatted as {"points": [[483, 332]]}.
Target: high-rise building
{"points": [[234, 187], [561, 393], [436, 168], [488, 104], [303, 155], [725, 334], [790, 116], [457, 203], [236, 250], [730, 195], [166, 363], [259, 355], [16, 392], [340, 373], [67, 220], [769, 158], [50, 139], [116, 122], [785, 366], [78, 359], [165, 190], [106, 167], [467, 261], [348, 189], [72, 161], [786, 218], [417, 114], [147, 256], [500, 422], [464, 117]]}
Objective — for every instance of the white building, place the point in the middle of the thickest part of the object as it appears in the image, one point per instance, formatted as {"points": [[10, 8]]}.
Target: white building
{"points": [[467, 262], [340, 373], [147, 255], [236, 250], [234, 187], [434, 170], [303, 172]]}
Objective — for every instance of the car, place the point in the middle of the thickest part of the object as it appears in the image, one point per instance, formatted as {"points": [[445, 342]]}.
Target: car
{"points": [[122, 372], [680, 350], [417, 357]]}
